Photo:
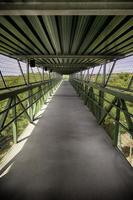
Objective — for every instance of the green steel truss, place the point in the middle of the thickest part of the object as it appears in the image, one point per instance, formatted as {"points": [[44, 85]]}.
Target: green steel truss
{"points": [[68, 38], [24, 100], [66, 44], [95, 95]]}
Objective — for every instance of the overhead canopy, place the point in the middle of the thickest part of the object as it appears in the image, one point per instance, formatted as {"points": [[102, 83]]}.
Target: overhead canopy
{"points": [[67, 7], [66, 43]]}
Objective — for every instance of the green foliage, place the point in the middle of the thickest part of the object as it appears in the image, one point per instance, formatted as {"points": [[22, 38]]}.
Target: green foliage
{"points": [[65, 77], [109, 126], [120, 80], [22, 122]]}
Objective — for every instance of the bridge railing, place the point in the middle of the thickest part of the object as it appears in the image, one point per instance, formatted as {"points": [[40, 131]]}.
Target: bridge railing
{"points": [[113, 109], [19, 103]]}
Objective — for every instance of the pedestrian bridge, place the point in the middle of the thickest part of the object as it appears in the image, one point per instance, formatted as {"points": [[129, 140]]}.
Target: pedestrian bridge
{"points": [[68, 156], [81, 146]]}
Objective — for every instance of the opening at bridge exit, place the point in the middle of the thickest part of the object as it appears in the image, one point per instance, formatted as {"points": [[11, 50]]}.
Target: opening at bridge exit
{"points": [[65, 77]]}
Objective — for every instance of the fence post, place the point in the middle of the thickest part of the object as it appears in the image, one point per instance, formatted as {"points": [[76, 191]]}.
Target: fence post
{"points": [[14, 112], [101, 93], [117, 118]]}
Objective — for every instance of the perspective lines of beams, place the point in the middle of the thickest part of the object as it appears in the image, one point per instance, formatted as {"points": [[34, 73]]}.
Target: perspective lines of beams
{"points": [[66, 43]]}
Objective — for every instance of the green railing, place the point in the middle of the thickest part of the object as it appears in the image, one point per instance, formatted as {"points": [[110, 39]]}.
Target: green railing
{"points": [[19, 106], [112, 108], [24, 88]]}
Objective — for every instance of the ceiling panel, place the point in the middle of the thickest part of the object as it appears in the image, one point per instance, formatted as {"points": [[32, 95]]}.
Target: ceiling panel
{"points": [[66, 40]]}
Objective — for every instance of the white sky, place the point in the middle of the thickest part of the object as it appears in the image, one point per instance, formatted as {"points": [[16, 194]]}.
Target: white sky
{"points": [[9, 66]]}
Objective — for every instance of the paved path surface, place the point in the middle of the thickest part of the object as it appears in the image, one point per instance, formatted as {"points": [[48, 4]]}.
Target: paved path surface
{"points": [[68, 157]]}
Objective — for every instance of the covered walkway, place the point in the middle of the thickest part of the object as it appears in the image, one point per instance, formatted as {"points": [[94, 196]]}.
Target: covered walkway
{"points": [[68, 157]]}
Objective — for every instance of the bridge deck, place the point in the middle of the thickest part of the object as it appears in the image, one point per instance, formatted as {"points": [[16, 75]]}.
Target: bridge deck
{"points": [[68, 157]]}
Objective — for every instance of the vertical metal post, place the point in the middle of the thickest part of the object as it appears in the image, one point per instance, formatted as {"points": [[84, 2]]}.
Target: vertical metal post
{"points": [[131, 149], [31, 105], [130, 83], [14, 112], [22, 72], [87, 75], [86, 87], [34, 110], [90, 98], [43, 94], [111, 70], [43, 73], [91, 73], [127, 117], [101, 93], [50, 83], [117, 118], [3, 79], [104, 75], [28, 75], [81, 85], [39, 101], [30, 110], [98, 73]]}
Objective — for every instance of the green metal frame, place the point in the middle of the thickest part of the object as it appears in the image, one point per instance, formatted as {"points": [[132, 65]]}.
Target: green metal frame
{"points": [[35, 95], [96, 100], [35, 101]]}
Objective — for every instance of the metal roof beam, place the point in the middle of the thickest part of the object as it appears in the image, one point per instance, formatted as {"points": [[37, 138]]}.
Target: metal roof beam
{"points": [[69, 69], [69, 65], [67, 8], [95, 56]]}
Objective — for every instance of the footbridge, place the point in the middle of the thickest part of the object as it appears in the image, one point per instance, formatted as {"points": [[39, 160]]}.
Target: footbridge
{"points": [[66, 100]]}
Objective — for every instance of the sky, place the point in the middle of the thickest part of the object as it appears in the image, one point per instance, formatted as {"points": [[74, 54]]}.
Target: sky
{"points": [[9, 66]]}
